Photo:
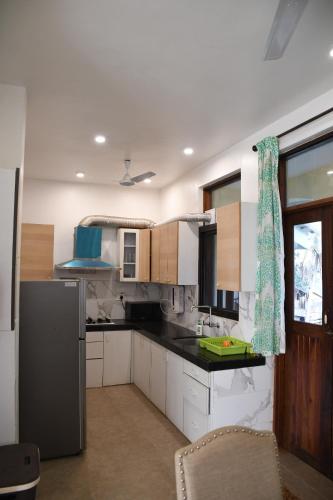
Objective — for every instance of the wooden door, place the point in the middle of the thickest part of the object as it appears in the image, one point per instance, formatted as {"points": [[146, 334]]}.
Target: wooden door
{"points": [[228, 247], [164, 249], [155, 254], [37, 251], [304, 377], [172, 234], [144, 255]]}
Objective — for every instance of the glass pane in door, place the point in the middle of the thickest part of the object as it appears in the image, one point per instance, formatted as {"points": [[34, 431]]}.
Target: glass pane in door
{"points": [[308, 283]]}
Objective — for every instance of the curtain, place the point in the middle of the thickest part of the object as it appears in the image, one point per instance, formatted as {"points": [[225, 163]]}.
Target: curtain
{"points": [[269, 324]]}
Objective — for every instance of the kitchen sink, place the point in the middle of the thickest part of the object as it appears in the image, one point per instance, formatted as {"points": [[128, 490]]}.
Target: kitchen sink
{"points": [[191, 340], [190, 337]]}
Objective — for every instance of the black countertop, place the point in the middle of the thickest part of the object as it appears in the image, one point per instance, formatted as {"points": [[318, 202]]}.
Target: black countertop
{"points": [[167, 335]]}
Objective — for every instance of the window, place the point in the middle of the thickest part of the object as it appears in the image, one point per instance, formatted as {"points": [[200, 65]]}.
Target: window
{"points": [[223, 192], [223, 302], [309, 173]]}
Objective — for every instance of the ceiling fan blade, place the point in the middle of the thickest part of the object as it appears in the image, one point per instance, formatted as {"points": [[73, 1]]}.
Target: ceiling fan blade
{"points": [[142, 177], [284, 24]]}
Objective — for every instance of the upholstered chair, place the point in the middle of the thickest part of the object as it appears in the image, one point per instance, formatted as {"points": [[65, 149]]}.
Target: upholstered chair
{"points": [[230, 463]]}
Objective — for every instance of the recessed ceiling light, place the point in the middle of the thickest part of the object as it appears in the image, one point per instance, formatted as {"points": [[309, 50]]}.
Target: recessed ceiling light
{"points": [[147, 181], [80, 174], [188, 151], [331, 53], [329, 172], [100, 139]]}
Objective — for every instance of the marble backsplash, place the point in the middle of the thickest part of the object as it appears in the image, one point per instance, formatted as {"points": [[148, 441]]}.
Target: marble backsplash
{"points": [[103, 299]]}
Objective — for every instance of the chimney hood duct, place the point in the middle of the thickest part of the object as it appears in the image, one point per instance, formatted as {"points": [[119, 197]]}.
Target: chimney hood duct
{"points": [[88, 238], [87, 251], [112, 221]]}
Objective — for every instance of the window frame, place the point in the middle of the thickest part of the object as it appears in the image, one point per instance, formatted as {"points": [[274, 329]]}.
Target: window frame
{"points": [[203, 268], [207, 205], [282, 176], [207, 191]]}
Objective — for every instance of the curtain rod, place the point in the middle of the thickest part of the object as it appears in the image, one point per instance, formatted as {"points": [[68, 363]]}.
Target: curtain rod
{"points": [[254, 147]]}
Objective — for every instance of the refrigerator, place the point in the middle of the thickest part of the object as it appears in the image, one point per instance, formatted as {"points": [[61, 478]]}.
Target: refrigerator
{"points": [[52, 361]]}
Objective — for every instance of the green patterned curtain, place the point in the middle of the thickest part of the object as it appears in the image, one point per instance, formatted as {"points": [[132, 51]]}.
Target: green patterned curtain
{"points": [[269, 326]]}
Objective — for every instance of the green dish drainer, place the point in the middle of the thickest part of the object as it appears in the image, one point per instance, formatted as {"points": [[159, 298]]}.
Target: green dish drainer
{"points": [[215, 344]]}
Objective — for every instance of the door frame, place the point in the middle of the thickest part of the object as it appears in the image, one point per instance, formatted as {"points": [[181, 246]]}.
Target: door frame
{"points": [[280, 368]]}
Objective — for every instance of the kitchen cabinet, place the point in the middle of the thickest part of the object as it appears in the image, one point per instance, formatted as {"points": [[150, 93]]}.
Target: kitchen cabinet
{"points": [[158, 376], [117, 357], [174, 389], [37, 251], [94, 373], [197, 401], [134, 254], [144, 255], [175, 248], [236, 247], [94, 359], [155, 254], [141, 363]]}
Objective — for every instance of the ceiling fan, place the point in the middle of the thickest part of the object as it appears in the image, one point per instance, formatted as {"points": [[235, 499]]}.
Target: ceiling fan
{"points": [[284, 24], [127, 180]]}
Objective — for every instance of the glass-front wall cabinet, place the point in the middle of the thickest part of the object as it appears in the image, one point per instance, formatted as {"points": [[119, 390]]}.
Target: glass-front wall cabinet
{"points": [[128, 249]]}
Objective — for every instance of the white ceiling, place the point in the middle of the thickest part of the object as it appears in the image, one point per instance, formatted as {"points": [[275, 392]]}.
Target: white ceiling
{"points": [[154, 76]]}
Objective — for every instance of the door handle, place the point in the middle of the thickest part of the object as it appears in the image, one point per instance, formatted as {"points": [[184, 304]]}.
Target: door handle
{"points": [[328, 329]]}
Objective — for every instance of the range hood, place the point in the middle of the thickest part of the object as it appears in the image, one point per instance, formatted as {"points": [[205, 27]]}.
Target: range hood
{"points": [[87, 251]]}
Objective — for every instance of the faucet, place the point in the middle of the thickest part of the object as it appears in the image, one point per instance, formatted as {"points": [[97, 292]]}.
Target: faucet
{"points": [[210, 323]]}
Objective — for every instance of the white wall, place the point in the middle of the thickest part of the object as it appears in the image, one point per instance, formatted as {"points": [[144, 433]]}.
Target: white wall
{"points": [[65, 204], [12, 137], [185, 195]]}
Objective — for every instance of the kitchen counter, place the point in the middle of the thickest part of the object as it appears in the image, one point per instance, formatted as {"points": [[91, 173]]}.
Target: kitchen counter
{"points": [[167, 335]]}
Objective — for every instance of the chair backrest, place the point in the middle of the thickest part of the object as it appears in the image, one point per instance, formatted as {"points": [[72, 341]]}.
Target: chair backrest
{"points": [[230, 463]]}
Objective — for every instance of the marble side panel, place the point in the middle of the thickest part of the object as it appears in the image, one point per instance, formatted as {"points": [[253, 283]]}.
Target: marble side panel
{"points": [[252, 410]]}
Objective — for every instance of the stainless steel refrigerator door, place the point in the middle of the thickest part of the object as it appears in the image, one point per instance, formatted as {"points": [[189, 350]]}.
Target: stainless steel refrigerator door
{"points": [[50, 377]]}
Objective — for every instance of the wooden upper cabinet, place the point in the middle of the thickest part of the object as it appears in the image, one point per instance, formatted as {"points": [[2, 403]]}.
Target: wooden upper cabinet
{"points": [[155, 254], [144, 255], [228, 247], [37, 242], [172, 246], [175, 254], [164, 250], [236, 247]]}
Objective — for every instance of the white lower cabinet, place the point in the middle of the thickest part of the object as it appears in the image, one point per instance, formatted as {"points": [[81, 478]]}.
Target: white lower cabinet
{"points": [[94, 359], [141, 363], [94, 373], [117, 357], [195, 422], [158, 376], [174, 389], [108, 358], [196, 408]]}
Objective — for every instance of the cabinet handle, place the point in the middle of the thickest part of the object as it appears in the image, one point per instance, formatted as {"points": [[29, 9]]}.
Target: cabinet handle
{"points": [[194, 424]]}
